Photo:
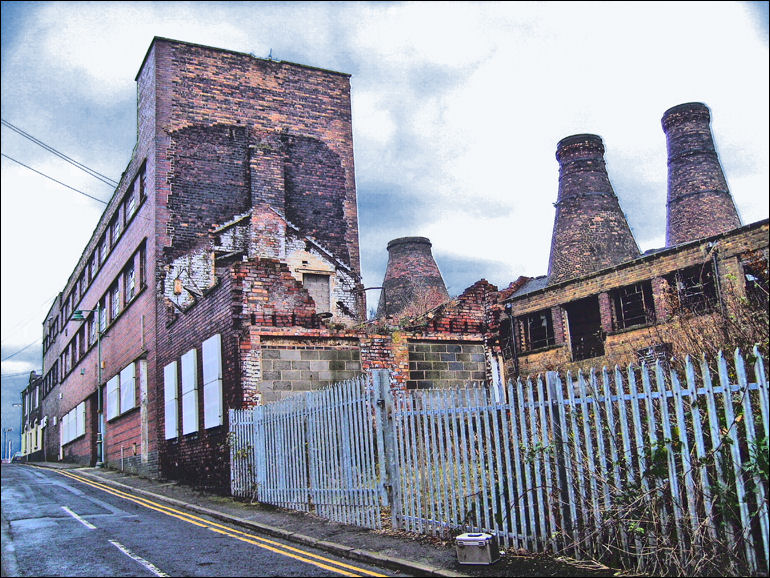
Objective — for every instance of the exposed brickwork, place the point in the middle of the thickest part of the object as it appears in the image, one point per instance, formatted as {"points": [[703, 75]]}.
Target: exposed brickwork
{"points": [[209, 181], [699, 202], [202, 88], [620, 345], [412, 279], [590, 231], [202, 458]]}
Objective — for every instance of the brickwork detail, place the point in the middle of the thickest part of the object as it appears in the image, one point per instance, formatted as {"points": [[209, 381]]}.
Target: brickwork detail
{"points": [[590, 231], [699, 202], [413, 282]]}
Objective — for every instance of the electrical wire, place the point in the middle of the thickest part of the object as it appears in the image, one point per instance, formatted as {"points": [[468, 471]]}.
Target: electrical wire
{"points": [[20, 350], [53, 179], [106, 180]]}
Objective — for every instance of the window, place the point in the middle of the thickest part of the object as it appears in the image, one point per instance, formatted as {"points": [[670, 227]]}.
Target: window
{"points": [[113, 397], [536, 330], [632, 305], [127, 388], [755, 272], [117, 224], [91, 330], [190, 392], [170, 396], [102, 315], [695, 288], [115, 301], [130, 204], [73, 424], [130, 281], [212, 381], [318, 287], [103, 251]]}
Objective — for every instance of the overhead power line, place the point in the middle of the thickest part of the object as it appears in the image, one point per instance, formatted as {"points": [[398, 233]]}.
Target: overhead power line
{"points": [[53, 179], [20, 350], [106, 180]]}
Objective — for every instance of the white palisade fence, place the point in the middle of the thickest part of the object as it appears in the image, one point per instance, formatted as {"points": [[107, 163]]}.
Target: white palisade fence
{"points": [[620, 464]]}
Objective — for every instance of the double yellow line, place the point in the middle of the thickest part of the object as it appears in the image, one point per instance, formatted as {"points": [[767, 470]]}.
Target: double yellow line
{"points": [[271, 545]]}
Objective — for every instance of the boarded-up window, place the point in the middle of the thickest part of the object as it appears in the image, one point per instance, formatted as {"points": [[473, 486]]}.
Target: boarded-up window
{"points": [[127, 388], [170, 396], [113, 397], [190, 392], [80, 419], [212, 381], [318, 287]]}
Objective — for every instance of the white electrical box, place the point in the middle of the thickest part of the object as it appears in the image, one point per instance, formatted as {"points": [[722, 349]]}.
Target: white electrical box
{"points": [[477, 548]]}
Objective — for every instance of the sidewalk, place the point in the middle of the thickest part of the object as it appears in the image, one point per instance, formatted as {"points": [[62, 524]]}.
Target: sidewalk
{"points": [[420, 556]]}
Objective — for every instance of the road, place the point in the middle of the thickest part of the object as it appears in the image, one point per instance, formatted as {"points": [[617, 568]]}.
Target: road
{"points": [[58, 523]]}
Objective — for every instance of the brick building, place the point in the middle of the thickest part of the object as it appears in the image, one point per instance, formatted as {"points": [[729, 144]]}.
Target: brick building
{"points": [[604, 303], [225, 273]]}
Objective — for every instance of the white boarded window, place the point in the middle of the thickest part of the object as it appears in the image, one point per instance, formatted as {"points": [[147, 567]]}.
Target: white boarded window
{"points": [[127, 388], [80, 419], [212, 381], [190, 392], [113, 397], [65, 428], [170, 396]]}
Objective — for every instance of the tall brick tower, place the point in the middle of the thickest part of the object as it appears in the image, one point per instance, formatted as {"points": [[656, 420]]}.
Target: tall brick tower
{"points": [[699, 202], [590, 231], [411, 279]]}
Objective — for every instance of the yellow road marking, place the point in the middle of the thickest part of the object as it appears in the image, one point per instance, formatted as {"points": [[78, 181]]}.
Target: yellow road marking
{"points": [[264, 543]]}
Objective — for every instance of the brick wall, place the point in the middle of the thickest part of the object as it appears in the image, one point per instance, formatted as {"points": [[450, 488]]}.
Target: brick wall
{"points": [[202, 458], [201, 89], [621, 345]]}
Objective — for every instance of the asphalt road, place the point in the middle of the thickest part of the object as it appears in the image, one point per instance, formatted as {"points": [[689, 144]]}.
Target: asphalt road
{"points": [[56, 523]]}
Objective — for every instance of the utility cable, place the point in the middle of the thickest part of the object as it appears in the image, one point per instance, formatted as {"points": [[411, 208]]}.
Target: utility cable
{"points": [[53, 179], [106, 180], [22, 349]]}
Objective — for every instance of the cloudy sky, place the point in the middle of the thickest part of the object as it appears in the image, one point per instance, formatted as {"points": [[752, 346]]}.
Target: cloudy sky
{"points": [[457, 109]]}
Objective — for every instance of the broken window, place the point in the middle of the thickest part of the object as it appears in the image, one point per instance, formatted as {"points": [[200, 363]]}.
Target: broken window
{"points": [[318, 287], [585, 328], [535, 330], [755, 272], [632, 305], [695, 288]]}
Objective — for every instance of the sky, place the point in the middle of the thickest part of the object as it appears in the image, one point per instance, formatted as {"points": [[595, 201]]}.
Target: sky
{"points": [[457, 109]]}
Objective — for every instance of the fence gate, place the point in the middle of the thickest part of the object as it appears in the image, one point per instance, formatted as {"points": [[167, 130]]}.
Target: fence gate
{"points": [[314, 452]]}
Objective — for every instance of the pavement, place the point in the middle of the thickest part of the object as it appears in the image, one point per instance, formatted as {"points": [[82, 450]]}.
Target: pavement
{"points": [[401, 551]]}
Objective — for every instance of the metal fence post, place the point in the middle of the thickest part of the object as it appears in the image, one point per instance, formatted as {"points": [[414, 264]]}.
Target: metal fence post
{"points": [[386, 442], [552, 382]]}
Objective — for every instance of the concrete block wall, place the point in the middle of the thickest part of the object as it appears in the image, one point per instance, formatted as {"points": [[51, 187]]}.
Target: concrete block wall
{"points": [[445, 364], [305, 367]]}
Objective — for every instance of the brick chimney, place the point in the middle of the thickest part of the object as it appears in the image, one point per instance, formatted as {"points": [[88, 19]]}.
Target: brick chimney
{"points": [[699, 202], [590, 231], [413, 283]]}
